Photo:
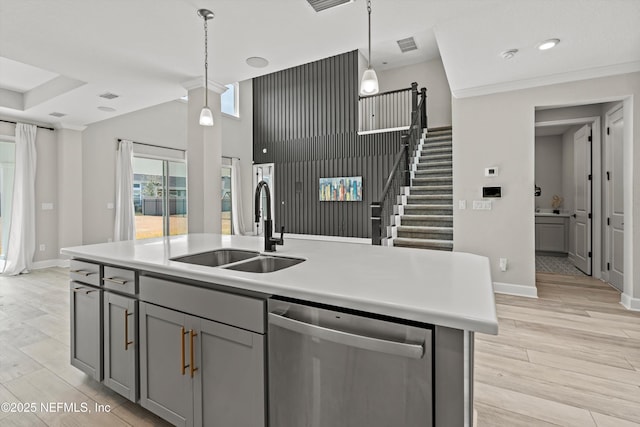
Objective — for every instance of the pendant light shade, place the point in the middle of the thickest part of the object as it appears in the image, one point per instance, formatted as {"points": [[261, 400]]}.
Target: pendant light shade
{"points": [[369, 83], [206, 117]]}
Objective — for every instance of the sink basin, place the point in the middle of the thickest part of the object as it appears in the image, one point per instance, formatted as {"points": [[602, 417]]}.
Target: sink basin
{"points": [[265, 264], [217, 258]]}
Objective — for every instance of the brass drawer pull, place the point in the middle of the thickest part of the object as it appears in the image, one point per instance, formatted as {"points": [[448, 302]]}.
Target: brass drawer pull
{"points": [[114, 280], [84, 273], [191, 355], [182, 365], [126, 330]]}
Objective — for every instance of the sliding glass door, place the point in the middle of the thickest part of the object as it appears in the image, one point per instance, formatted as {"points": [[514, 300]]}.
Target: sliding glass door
{"points": [[159, 197]]}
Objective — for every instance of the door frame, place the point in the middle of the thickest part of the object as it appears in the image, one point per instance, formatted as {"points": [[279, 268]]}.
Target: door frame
{"points": [[596, 185]]}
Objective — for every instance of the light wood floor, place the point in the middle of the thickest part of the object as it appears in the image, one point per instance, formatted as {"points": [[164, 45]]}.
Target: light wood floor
{"points": [[569, 358]]}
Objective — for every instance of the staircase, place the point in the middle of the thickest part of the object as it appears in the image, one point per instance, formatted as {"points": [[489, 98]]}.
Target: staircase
{"points": [[424, 213]]}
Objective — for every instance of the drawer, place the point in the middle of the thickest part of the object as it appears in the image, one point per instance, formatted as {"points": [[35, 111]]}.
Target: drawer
{"points": [[120, 279], [85, 272], [235, 310]]}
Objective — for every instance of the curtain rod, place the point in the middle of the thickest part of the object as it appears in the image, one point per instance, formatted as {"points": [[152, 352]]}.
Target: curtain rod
{"points": [[15, 123], [153, 145]]}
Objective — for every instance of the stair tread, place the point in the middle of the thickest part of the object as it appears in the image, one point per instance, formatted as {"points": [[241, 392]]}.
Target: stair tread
{"points": [[427, 216], [436, 242], [422, 228], [432, 171]]}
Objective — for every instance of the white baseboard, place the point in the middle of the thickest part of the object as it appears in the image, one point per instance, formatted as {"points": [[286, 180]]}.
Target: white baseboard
{"points": [[48, 263], [517, 290], [363, 241], [629, 302]]}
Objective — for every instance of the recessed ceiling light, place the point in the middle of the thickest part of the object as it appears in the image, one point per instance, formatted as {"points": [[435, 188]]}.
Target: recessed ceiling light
{"points": [[257, 62], [548, 44], [106, 109], [57, 114], [109, 95], [508, 54]]}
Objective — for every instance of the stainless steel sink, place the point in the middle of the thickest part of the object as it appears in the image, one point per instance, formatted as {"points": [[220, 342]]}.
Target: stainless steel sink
{"points": [[265, 264], [217, 258]]}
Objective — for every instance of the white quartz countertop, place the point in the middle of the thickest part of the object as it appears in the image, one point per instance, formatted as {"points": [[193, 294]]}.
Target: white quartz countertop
{"points": [[451, 289]]}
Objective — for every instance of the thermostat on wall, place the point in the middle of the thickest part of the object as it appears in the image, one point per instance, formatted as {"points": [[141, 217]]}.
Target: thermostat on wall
{"points": [[492, 171]]}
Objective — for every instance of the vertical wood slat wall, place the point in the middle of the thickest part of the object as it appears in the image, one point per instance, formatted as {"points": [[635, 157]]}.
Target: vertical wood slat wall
{"points": [[307, 120]]}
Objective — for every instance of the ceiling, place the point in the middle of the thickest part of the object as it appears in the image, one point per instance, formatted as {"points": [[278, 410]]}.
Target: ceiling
{"points": [[58, 56]]}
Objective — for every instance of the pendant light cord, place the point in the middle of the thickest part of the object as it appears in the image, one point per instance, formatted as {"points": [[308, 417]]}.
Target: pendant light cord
{"points": [[369, 12], [206, 64]]}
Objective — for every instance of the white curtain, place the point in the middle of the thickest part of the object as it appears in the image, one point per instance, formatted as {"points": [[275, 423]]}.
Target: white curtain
{"points": [[237, 220], [125, 225], [22, 232]]}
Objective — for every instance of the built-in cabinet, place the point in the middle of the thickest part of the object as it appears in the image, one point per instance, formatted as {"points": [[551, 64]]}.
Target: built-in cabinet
{"points": [[552, 234], [195, 370], [86, 317], [195, 356]]}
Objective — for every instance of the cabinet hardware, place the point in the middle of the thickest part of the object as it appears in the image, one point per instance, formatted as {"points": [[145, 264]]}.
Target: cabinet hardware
{"points": [[192, 368], [84, 273], [85, 290], [126, 330], [114, 280], [183, 367]]}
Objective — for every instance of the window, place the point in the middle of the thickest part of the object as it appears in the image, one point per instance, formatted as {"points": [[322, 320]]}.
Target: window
{"points": [[152, 201], [229, 100], [7, 167], [226, 200]]}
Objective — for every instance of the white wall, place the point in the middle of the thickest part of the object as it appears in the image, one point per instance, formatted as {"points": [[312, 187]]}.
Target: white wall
{"points": [[498, 130], [69, 188], [163, 125], [237, 141], [46, 190], [548, 170], [428, 74]]}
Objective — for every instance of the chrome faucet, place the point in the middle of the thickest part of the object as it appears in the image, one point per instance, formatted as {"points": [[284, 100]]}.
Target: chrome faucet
{"points": [[270, 242]]}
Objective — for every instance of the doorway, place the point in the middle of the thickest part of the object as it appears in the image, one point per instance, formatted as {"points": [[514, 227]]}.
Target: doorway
{"points": [[264, 172], [589, 141]]}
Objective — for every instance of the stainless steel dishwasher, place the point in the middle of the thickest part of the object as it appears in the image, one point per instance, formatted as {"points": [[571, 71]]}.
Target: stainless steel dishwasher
{"points": [[337, 368]]}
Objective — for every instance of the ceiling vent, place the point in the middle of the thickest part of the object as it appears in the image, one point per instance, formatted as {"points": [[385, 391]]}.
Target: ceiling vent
{"points": [[56, 114], [320, 5], [407, 45], [109, 95]]}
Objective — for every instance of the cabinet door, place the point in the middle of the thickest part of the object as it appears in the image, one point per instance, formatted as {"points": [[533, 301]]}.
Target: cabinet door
{"points": [[165, 383], [229, 383], [551, 237], [120, 345], [86, 331]]}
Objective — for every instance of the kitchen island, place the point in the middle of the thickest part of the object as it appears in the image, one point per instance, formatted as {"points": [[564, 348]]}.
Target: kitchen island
{"points": [[451, 294]]}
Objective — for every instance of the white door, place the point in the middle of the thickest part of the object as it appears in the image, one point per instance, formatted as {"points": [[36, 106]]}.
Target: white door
{"points": [[264, 172], [582, 215], [614, 198]]}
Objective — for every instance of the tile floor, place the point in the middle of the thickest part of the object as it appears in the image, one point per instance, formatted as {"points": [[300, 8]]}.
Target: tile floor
{"points": [[555, 264]]}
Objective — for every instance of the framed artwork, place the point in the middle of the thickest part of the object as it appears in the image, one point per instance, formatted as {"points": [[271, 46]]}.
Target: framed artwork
{"points": [[341, 189]]}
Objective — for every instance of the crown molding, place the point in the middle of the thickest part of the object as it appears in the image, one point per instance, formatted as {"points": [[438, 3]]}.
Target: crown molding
{"points": [[199, 82], [570, 76], [69, 126]]}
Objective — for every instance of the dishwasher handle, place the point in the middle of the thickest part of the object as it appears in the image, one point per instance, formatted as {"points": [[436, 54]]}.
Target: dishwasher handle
{"points": [[411, 351]]}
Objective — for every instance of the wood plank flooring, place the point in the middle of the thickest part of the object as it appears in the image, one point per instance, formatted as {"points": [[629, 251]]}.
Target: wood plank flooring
{"points": [[569, 358]]}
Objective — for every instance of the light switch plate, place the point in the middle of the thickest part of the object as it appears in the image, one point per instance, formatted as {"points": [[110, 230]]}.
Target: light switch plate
{"points": [[482, 205], [47, 206], [462, 204], [491, 171], [110, 205]]}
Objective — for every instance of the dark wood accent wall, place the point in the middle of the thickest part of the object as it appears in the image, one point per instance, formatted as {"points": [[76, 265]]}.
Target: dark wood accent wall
{"points": [[307, 119]]}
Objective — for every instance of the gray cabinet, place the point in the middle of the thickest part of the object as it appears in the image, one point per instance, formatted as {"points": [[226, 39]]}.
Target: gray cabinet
{"points": [[120, 345], [197, 372], [86, 330], [552, 234]]}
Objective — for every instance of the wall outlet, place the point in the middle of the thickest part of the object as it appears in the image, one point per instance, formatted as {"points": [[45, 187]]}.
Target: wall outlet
{"points": [[42, 247], [462, 204], [482, 205], [503, 264], [110, 205]]}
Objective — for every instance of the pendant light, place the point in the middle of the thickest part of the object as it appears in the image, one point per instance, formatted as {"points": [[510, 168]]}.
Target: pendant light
{"points": [[369, 83], [206, 117]]}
